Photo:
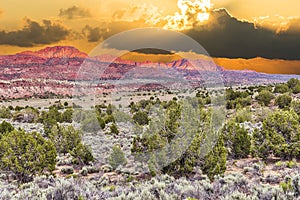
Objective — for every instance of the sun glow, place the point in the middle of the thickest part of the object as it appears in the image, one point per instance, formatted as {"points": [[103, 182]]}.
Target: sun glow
{"points": [[191, 13]]}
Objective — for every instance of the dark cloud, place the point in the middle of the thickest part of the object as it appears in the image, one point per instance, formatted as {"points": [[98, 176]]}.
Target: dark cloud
{"points": [[34, 33], [226, 36], [74, 12], [92, 34]]}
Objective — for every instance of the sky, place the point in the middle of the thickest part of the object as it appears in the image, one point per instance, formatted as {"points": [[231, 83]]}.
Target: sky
{"points": [[225, 28]]}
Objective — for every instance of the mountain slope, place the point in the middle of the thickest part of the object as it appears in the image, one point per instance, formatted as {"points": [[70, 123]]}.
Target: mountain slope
{"points": [[55, 69]]}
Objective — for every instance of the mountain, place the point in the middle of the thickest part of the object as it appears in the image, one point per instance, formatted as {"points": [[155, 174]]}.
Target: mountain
{"points": [[55, 70], [56, 52]]}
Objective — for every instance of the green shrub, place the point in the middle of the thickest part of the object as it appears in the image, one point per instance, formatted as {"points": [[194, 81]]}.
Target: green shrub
{"points": [[5, 112], [65, 139], [141, 118], [237, 140], [283, 101], [101, 122], [215, 162], [50, 118], [296, 107], [294, 85], [279, 136], [27, 115], [114, 129], [264, 97], [117, 157], [281, 88], [26, 154], [5, 127], [67, 115], [83, 153], [243, 116], [109, 119], [90, 124]]}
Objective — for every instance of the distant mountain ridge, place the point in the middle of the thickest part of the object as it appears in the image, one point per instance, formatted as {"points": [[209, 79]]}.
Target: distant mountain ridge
{"points": [[53, 70], [56, 52]]}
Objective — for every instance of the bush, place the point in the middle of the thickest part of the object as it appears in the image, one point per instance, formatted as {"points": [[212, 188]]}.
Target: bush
{"points": [[67, 170], [90, 124], [281, 88], [215, 162], [26, 154], [50, 118], [5, 127], [109, 119], [283, 101], [65, 139], [294, 85], [83, 154], [5, 112], [243, 116], [264, 97], [117, 157], [296, 107], [68, 140], [67, 115], [279, 136], [141, 118], [27, 115], [110, 109], [114, 129], [101, 122], [237, 140]]}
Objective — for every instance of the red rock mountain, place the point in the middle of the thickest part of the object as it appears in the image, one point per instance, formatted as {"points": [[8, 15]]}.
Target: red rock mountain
{"points": [[53, 70], [56, 52]]}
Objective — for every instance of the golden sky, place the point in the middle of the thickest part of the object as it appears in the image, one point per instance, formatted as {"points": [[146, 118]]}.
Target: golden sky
{"points": [[85, 23]]}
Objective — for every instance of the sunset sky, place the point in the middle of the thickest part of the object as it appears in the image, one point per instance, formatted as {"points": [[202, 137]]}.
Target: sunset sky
{"points": [[225, 28]]}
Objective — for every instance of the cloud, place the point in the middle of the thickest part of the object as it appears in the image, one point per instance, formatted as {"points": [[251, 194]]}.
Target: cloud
{"points": [[293, 26], [150, 13], [278, 23], [34, 33], [226, 36], [74, 12], [191, 13], [92, 34]]}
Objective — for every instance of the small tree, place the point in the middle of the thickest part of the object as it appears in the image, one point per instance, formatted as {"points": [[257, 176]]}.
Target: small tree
{"points": [[5, 112], [237, 140], [65, 139], [117, 157], [50, 118], [264, 97], [101, 122], [82, 153], [281, 88], [279, 136], [296, 107], [68, 140], [283, 101], [5, 127], [214, 163], [114, 129], [26, 154], [141, 118], [67, 115]]}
